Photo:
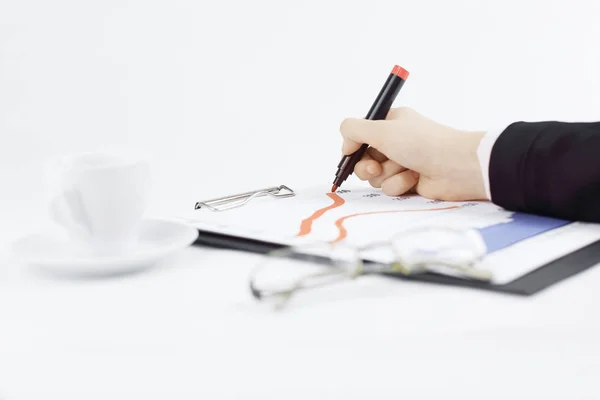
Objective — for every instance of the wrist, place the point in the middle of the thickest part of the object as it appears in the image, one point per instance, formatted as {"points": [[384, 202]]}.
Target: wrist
{"points": [[468, 169]]}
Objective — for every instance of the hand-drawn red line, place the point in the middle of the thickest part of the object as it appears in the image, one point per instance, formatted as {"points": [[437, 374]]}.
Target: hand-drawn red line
{"points": [[306, 225], [339, 223]]}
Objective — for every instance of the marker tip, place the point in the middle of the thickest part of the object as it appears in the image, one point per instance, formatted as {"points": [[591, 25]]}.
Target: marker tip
{"points": [[334, 188]]}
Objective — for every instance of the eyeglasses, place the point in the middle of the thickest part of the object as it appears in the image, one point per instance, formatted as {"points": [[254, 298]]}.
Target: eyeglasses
{"points": [[284, 272]]}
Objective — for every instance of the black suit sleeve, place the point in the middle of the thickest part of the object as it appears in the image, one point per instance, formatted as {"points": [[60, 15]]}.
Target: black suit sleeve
{"points": [[548, 168]]}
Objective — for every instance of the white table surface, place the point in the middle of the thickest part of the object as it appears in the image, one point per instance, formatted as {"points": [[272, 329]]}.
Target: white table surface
{"points": [[207, 86], [188, 329]]}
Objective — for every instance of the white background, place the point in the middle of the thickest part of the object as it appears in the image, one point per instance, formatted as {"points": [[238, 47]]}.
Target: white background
{"points": [[236, 95]]}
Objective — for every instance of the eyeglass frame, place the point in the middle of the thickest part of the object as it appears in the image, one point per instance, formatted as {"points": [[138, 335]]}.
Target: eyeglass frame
{"points": [[394, 268]]}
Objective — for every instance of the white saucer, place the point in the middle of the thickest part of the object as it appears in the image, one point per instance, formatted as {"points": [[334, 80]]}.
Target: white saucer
{"points": [[158, 238]]}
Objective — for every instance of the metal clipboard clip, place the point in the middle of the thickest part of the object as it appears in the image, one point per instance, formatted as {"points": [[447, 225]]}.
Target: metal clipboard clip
{"points": [[238, 200]]}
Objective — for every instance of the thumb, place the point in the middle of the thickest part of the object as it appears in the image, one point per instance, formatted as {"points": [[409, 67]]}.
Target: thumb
{"points": [[356, 132]]}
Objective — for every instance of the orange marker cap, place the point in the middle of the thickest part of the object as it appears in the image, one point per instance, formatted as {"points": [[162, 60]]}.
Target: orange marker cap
{"points": [[401, 72]]}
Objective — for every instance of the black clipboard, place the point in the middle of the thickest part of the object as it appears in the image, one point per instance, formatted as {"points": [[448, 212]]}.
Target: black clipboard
{"points": [[529, 284], [526, 285]]}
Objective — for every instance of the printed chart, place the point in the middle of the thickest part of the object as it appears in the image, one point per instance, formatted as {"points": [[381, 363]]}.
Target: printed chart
{"points": [[497, 235]]}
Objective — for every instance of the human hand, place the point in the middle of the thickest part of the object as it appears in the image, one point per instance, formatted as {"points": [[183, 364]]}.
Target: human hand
{"points": [[409, 152]]}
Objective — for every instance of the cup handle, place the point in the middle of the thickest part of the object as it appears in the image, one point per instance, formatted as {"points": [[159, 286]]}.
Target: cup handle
{"points": [[66, 210]]}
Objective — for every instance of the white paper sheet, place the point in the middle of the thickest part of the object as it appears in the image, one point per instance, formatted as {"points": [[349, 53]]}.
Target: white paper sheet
{"points": [[516, 243]]}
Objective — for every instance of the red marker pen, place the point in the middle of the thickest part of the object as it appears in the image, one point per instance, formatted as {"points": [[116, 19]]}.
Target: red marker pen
{"points": [[379, 110]]}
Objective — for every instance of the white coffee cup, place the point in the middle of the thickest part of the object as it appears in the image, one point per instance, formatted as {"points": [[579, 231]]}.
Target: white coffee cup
{"points": [[100, 200]]}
